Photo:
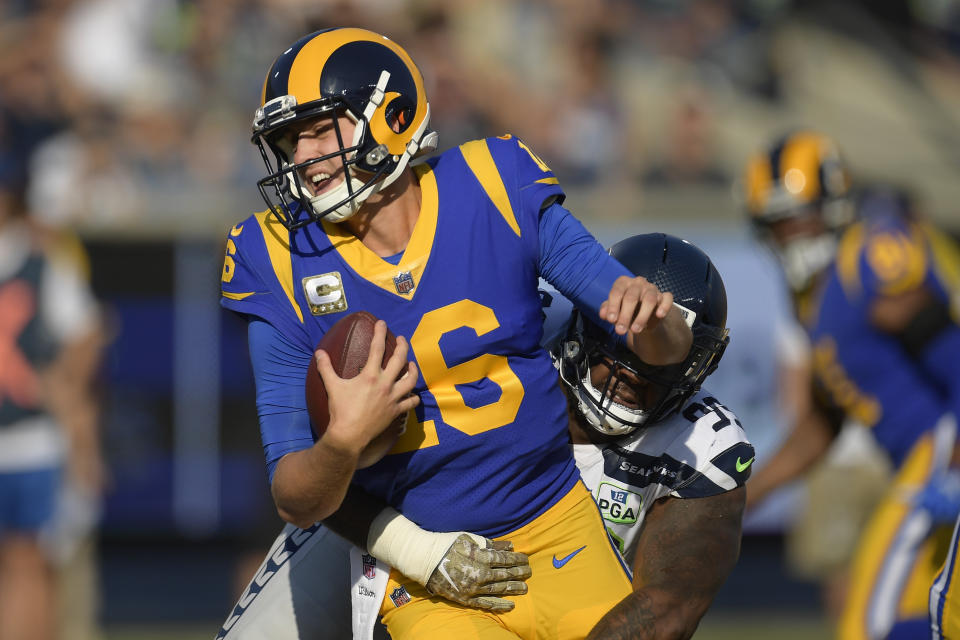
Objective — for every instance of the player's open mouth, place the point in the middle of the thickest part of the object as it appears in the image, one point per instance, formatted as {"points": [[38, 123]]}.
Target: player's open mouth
{"points": [[320, 182], [623, 395]]}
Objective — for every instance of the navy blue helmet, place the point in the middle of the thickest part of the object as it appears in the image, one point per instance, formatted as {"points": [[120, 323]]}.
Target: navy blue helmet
{"points": [[354, 73], [679, 267]]}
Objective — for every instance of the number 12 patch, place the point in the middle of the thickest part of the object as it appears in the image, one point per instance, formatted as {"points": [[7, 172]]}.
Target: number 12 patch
{"points": [[617, 504]]}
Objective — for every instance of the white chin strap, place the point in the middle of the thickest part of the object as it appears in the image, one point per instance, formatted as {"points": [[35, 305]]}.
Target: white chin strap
{"points": [[325, 200], [615, 419], [804, 258]]}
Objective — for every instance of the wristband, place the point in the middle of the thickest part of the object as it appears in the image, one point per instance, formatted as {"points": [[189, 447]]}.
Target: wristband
{"points": [[408, 548]]}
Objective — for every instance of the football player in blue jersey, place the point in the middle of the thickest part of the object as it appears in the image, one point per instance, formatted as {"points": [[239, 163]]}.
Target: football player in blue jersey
{"points": [[448, 254], [874, 287], [664, 460]]}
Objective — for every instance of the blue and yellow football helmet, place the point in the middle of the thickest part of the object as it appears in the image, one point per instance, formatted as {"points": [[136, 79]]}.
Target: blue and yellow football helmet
{"points": [[342, 71], [674, 265], [800, 175]]}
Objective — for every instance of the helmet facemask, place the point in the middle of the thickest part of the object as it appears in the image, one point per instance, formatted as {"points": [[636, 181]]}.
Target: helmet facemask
{"points": [[802, 259], [653, 391], [284, 190], [674, 265], [802, 182], [340, 72], [598, 405], [803, 256]]}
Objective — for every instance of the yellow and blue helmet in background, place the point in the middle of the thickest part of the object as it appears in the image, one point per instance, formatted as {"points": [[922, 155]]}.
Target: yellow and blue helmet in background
{"points": [[341, 71], [801, 174]]}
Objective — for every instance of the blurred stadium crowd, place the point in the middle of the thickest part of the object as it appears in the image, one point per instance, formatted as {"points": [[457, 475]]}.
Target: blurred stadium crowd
{"points": [[131, 115]]}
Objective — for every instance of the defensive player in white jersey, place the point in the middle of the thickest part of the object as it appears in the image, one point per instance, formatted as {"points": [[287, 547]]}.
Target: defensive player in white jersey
{"points": [[665, 461]]}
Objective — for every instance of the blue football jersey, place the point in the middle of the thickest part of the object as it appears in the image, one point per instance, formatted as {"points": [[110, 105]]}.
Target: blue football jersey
{"points": [[488, 448], [866, 372]]}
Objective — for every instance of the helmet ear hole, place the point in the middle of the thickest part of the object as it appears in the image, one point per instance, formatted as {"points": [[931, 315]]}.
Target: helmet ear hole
{"points": [[399, 114]]}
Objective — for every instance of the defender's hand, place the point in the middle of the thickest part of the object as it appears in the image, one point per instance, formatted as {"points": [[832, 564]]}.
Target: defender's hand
{"points": [[478, 577]]}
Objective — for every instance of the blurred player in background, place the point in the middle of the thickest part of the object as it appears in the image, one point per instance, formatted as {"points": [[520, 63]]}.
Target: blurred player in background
{"points": [[664, 460], [846, 483], [873, 286], [944, 603], [448, 253], [49, 345]]}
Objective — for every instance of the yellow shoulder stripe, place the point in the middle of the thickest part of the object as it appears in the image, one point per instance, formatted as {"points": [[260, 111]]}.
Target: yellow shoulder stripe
{"points": [[67, 246], [479, 159], [237, 296], [277, 239]]}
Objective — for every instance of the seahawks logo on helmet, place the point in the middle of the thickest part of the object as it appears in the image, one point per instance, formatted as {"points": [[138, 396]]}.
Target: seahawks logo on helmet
{"points": [[354, 73], [679, 267]]}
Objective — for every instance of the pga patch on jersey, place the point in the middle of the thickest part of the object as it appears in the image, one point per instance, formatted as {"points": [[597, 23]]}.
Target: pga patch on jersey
{"points": [[617, 504]]}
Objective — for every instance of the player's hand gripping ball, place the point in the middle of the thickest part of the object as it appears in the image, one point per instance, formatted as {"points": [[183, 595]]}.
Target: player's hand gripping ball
{"points": [[348, 345]]}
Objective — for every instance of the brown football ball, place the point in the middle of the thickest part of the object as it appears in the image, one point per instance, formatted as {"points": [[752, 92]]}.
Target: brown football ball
{"points": [[348, 345]]}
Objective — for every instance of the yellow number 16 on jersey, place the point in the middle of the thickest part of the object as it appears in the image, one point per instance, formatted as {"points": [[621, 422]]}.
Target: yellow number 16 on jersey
{"points": [[441, 380]]}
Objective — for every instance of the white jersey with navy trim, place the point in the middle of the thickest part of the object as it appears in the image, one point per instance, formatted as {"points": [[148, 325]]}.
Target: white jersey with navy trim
{"points": [[698, 452]]}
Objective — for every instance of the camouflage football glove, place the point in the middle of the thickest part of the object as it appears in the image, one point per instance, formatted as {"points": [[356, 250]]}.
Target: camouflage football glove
{"points": [[479, 577], [463, 567]]}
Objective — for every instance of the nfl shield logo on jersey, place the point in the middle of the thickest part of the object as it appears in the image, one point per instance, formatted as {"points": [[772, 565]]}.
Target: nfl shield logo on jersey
{"points": [[403, 281], [399, 596], [369, 566]]}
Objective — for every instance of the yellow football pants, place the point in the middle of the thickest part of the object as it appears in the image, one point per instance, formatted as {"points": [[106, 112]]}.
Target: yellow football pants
{"points": [[899, 554], [577, 577]]}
